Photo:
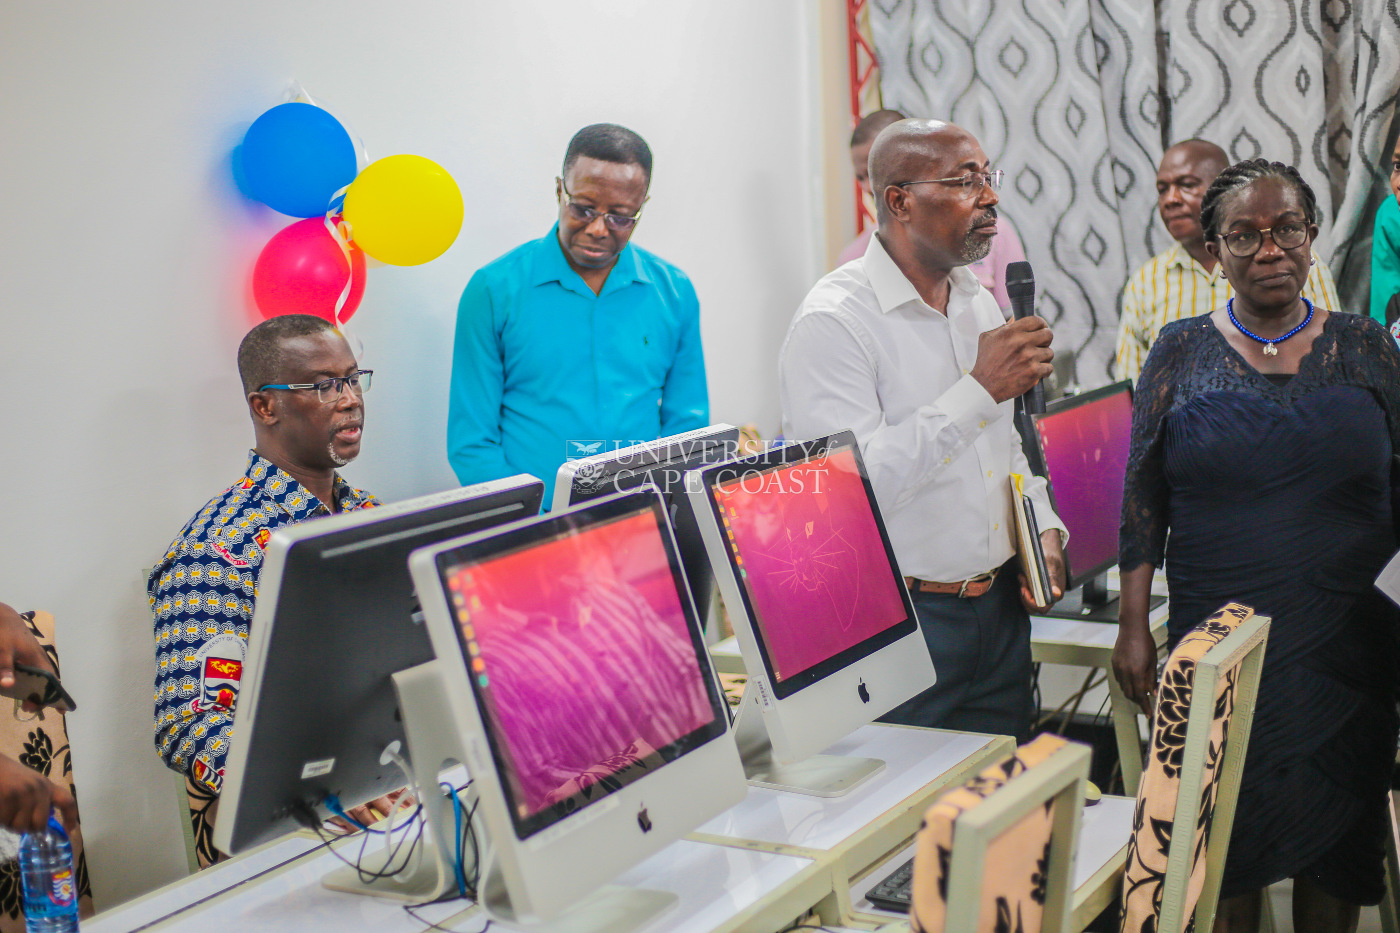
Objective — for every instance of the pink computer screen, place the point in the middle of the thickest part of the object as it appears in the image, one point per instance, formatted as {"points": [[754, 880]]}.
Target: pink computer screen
{"points": [[582, 654], [1086, 456], [810, 556]]}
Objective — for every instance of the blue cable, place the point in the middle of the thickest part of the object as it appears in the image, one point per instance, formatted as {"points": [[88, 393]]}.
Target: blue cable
{"points": [[332, 803], [450, 791]]}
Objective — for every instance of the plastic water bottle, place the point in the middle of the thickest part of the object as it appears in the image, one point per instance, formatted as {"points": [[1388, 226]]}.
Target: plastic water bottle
{"points": [[50, 890]]}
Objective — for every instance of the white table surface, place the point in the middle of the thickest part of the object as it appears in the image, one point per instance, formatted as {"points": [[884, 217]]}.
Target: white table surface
{"points": [[199, 886], [714, 884], [913, 758], [1104, 829]]}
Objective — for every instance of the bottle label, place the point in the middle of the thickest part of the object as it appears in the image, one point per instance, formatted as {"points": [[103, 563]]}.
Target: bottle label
{"points": [[61, 888]]}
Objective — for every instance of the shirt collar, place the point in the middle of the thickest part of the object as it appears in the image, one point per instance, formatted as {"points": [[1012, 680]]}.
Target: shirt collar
{"points": [[893, 289], [294, 498], [549, 265], [1177, 256]]}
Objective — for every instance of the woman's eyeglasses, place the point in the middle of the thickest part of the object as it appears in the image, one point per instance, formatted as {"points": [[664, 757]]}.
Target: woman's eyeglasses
{"points": [[1245, 243]]}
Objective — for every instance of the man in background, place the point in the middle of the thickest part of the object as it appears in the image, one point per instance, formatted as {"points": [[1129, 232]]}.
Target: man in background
{"points": [[305, 392], [906, 348], [579, 342], [990, 269], [1185, 280]]}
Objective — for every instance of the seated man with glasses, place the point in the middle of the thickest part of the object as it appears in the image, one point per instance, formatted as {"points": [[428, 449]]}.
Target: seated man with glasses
{"points": [[1186, 281], [907, 349], [578, 342], [305, 395]]}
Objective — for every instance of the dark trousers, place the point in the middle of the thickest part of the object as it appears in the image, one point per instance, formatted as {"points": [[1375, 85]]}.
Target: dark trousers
{"points": [[981, 650]]}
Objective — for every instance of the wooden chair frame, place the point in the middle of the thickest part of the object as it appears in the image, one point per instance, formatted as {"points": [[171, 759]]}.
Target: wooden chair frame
{"points": [[1061, 777], [1244, 649]]}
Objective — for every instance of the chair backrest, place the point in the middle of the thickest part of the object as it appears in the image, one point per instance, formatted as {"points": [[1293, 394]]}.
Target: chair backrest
{"points": [[41, 743], [997, 853], [1205, 710]]}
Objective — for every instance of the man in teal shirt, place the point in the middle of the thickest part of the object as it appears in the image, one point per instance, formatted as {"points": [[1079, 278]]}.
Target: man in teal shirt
{"points": [[1385, 247], [577, 343]]}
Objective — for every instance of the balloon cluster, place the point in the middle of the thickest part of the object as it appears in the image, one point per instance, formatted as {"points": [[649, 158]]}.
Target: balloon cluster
{"points": [[403, 210]]}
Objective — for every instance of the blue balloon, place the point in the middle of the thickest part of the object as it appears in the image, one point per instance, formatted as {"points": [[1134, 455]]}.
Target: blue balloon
{"points": [[295, 157]]}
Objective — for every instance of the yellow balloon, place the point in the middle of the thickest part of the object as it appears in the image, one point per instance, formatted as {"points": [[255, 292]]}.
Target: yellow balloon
{"points": [[404, 210]]}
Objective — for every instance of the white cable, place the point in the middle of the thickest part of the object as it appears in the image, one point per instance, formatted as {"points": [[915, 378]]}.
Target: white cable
{"points": [[391, 753]]}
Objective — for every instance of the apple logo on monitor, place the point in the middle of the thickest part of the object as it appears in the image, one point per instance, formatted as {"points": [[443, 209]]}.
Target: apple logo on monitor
{"points": [[862, 692], [643, 820]]}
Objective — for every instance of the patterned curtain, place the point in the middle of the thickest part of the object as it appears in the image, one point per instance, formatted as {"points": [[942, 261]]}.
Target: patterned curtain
{"points": [[1308, 82], [1063, 95], [1066, 96]]}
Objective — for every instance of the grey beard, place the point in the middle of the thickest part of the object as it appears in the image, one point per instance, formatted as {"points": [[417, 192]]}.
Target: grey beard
{"points": [[975, 247], [336, 458]]}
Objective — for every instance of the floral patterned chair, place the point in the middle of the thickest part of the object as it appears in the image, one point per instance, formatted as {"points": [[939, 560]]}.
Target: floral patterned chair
{"points": [[1014, 826], [1205, 709], [41, 744]]}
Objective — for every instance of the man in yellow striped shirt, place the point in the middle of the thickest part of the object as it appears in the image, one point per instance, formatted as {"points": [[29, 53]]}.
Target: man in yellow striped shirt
{"points": [[1185, 280]]}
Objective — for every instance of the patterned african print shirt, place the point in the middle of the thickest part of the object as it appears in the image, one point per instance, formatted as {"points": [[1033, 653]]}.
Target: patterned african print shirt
{"points": [[1172, 286], [202, 594]]}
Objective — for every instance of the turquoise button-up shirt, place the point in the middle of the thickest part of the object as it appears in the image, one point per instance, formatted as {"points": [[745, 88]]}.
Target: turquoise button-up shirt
{"points": [[543, 370]]}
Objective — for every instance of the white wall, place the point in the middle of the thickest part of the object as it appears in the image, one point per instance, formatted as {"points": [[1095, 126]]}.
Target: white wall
{"points": [[125, 252]]}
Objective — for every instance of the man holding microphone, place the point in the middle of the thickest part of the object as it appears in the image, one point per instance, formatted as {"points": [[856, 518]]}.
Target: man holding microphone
{"points": [[908, 350]]}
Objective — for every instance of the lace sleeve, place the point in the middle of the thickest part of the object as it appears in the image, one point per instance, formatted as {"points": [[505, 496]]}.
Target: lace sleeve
{"points": [[1380, 359], [1143, 534]]}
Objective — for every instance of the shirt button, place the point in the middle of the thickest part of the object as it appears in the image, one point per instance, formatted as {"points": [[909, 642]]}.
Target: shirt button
{"points": [[989, 473], [947, 459], [996, 526], [981, 424]]}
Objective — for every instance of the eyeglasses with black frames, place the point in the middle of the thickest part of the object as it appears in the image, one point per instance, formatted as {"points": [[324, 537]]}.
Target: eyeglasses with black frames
{"points": [[586, 215], [971, 183], [330, 390], [1245, 243]]}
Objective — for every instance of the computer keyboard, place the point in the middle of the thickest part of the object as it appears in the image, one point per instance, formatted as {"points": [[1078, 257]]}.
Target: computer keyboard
{"points": [[896, 891]]}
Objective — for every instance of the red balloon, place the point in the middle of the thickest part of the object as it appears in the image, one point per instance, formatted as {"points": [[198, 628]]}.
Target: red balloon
{"points": [[302, 270]]}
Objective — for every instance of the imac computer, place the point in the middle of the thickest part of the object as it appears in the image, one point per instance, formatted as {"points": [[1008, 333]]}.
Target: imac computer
{"points": [[1083, 442], [662, 463], [822, 616], [572, 680], [335, 619]]}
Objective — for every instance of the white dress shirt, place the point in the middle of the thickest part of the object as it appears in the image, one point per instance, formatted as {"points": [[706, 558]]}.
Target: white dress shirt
{"points": [[866, 353]]}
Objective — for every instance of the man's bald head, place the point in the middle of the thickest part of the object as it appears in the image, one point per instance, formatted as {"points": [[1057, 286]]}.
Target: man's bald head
{"points": [[1186, 171], [1200, 152], [935, 221], [905, 151]]}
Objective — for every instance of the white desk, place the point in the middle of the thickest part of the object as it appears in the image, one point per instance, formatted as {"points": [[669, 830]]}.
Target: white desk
{"points": [[1090, 644], [848, 834], [278, 888], [1099, 857]]}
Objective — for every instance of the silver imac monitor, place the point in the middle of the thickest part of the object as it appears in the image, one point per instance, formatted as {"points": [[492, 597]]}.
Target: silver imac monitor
{"points": [[662, 463], [577, 686], [336, 618], [823, 619]]}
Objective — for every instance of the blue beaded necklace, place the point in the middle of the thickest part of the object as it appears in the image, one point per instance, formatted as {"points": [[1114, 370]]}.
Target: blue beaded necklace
{"points": [[1269, 348]]}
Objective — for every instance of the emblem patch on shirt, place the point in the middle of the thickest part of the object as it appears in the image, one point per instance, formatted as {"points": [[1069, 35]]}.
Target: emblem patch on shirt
{"points": [[220, 673], [261, 538], [227, 555], [203, 774]]}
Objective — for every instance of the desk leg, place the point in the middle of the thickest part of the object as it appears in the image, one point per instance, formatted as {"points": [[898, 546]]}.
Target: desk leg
{"points": [[1125, 729]]}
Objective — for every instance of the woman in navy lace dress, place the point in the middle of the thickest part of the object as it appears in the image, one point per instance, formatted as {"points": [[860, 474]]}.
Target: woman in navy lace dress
{"points": [[1263, 441]]}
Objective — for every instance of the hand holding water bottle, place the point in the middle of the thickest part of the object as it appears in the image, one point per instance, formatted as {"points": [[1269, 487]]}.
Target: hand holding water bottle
{"points": [[50, 887]]}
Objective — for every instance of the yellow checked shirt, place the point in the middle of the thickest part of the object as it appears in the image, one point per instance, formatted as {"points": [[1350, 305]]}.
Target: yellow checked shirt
{"points": [[1172, 286]]}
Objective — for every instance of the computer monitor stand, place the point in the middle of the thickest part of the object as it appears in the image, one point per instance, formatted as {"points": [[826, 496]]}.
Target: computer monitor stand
{"points": [[434, 745], [1093, 601], [819, 775]]}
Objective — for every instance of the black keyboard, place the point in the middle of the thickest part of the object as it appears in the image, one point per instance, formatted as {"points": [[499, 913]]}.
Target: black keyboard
{"points": [[896, 892]]}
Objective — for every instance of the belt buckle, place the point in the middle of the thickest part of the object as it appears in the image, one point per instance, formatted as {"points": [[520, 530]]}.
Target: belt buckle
{"points": [[980, 578]]}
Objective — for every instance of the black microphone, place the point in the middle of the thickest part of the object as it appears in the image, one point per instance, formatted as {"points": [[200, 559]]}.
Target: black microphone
{"points": [[1020, 286]]}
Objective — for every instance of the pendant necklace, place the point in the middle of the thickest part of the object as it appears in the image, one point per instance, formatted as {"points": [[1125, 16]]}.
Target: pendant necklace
{"points": [[1269, 345]]}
